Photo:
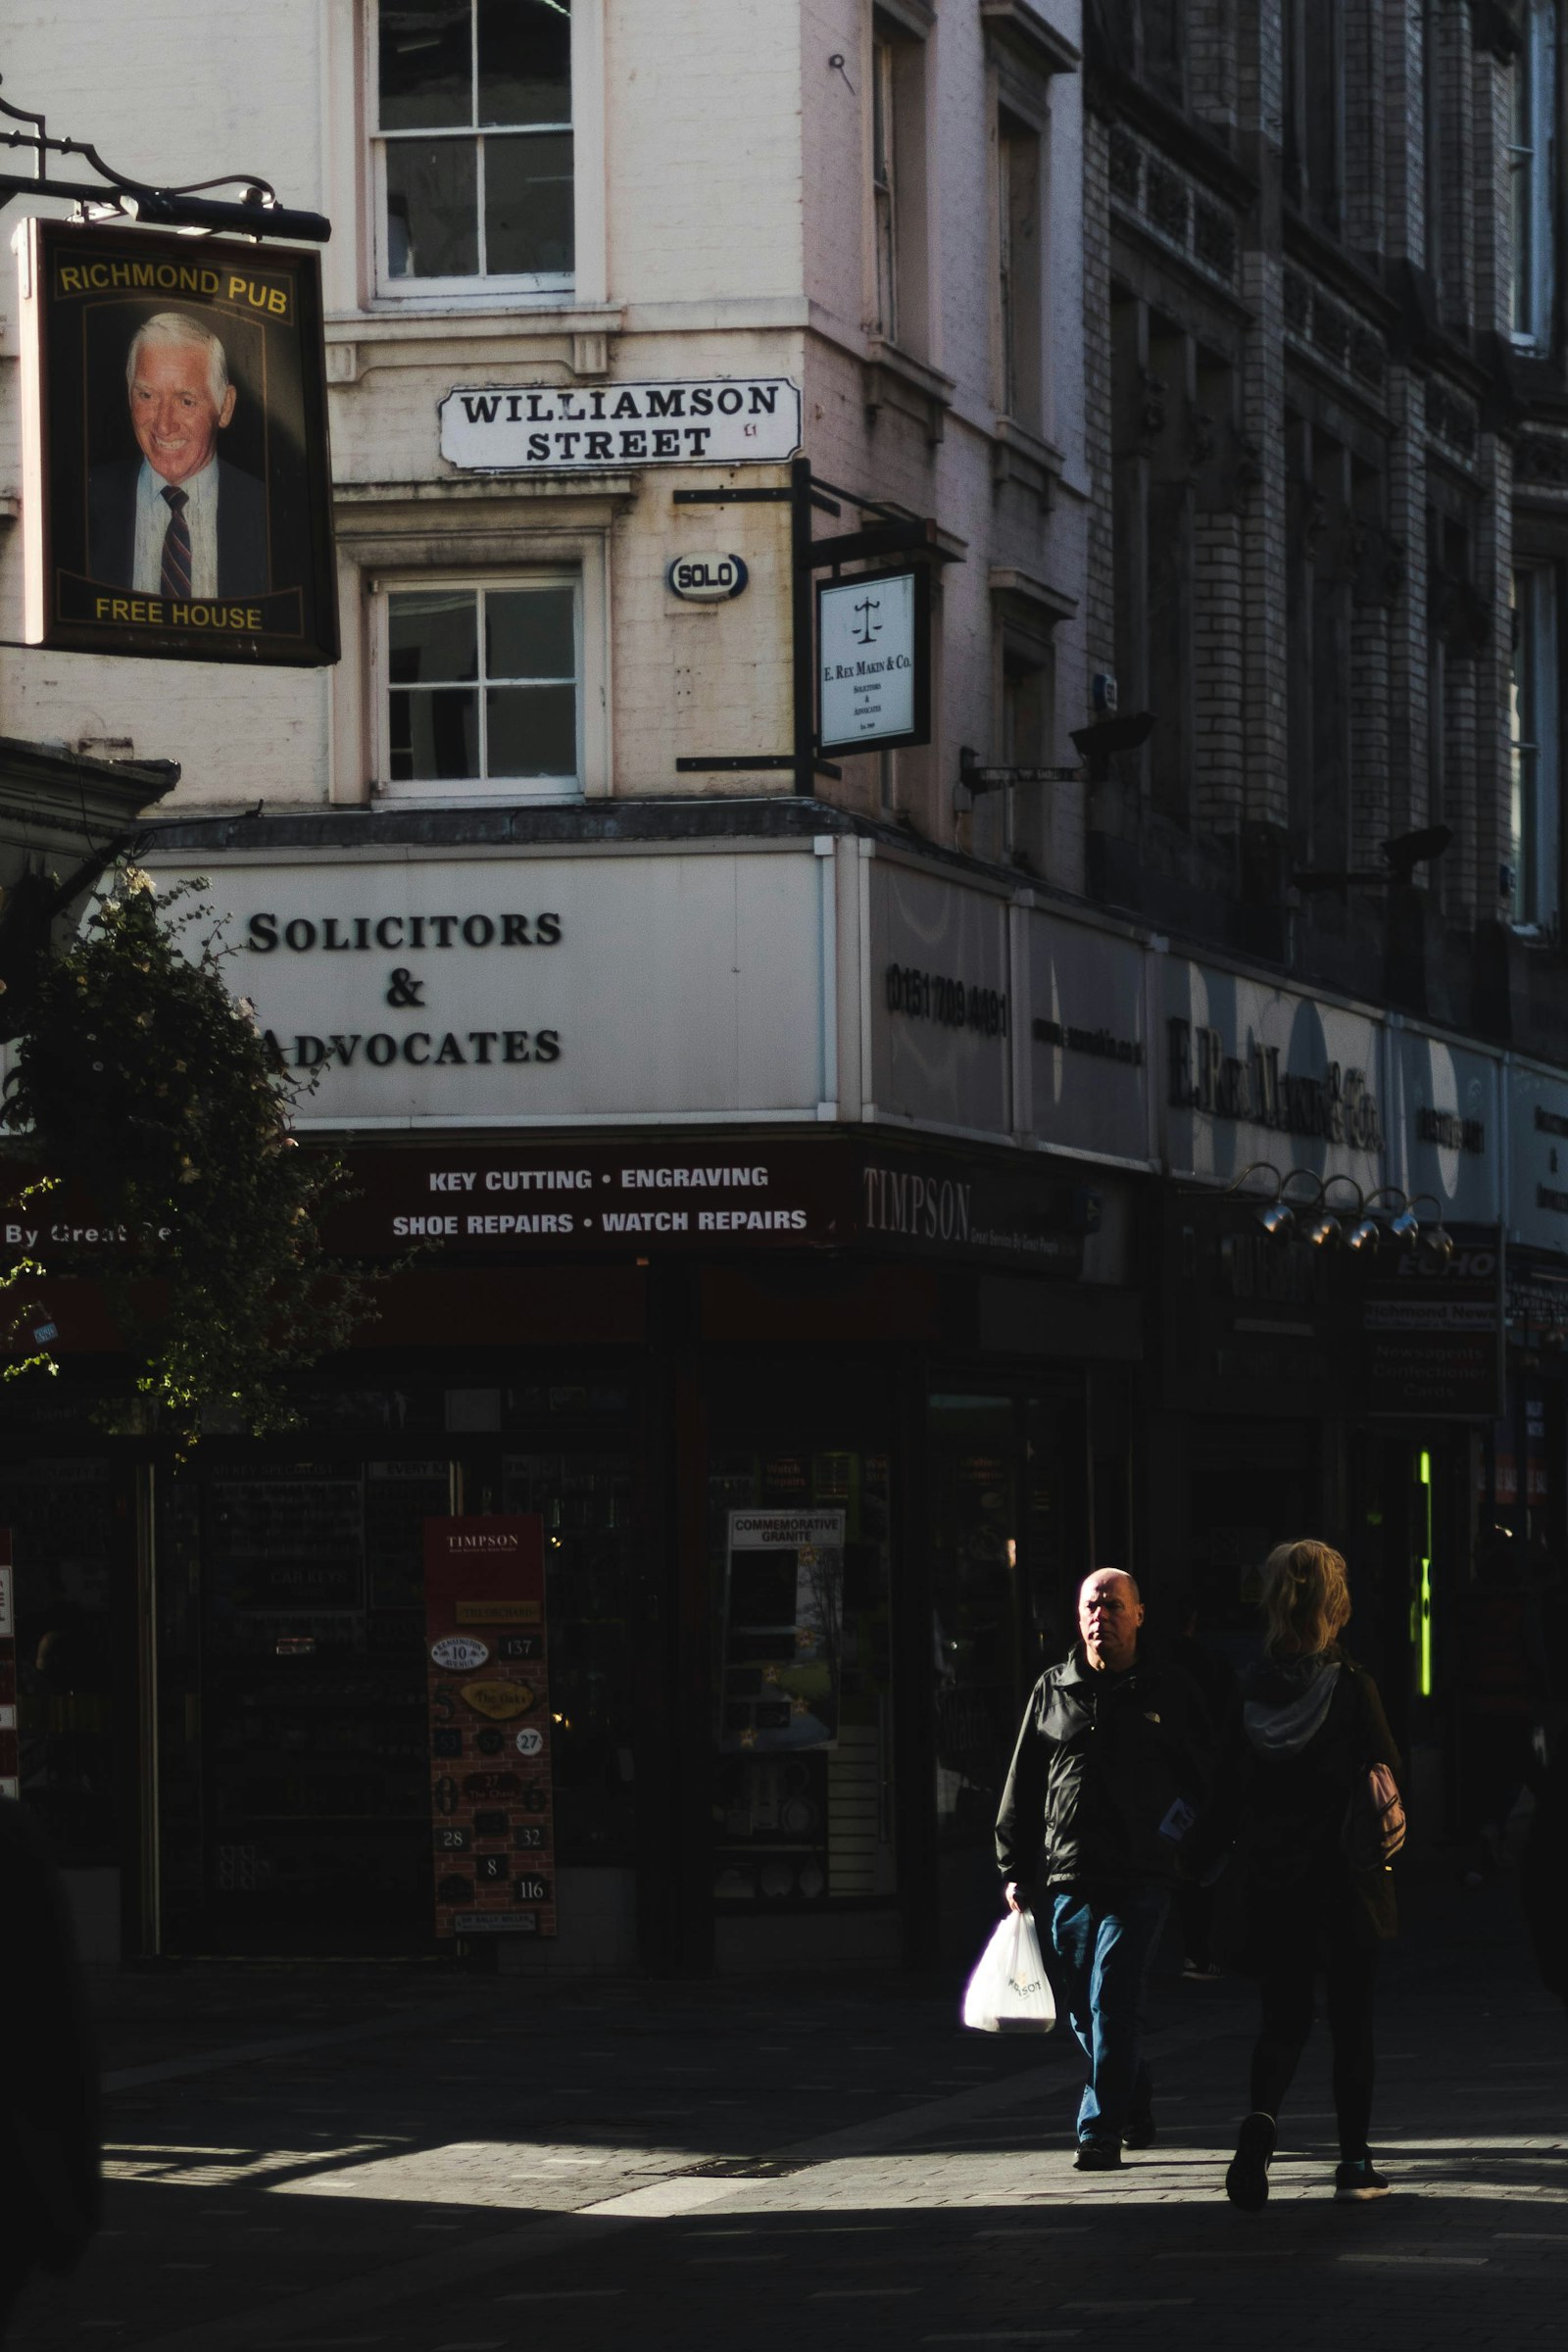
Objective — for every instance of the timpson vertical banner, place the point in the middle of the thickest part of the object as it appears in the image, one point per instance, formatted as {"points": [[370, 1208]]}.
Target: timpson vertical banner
{"points": [[491, 1799], [9, 1765], [177, 482]]}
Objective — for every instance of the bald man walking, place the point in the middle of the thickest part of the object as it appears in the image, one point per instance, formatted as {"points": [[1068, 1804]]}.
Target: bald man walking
{"points": [[1113, 1757]]}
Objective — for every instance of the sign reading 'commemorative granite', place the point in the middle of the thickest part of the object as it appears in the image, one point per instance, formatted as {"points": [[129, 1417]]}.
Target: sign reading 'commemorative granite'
{"points": [[177, 484], [536, 428]]}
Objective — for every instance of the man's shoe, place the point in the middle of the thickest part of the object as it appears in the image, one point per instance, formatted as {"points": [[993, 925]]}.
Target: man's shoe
{"points": [[1097, 2156], [1139, 2132], [1246, 2181], [1356, 2183]]}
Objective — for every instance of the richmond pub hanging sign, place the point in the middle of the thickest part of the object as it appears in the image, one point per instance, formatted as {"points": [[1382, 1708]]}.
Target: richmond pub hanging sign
{"points": [[177, 487]]}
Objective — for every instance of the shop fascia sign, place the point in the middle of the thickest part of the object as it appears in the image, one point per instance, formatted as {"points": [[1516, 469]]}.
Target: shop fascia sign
{"points": [[1450, 1130], [455, 988], [1334, 1105], [544, 429], [1552, 1125], [1538, 1129], [268, 933], [695, 1193]]}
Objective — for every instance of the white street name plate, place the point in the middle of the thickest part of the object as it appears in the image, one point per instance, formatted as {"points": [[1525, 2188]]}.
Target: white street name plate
{"points": [[712, 420]]}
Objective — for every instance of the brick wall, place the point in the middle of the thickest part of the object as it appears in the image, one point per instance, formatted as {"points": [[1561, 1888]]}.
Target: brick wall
{"points": [[1316, 347]]}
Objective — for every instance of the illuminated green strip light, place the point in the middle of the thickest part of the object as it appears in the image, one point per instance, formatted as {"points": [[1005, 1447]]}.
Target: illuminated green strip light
{"points": [[1426, 1577]]}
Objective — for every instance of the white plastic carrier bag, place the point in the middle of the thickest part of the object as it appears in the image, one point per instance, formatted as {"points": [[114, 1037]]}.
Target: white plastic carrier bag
{"points": [[1010, 1991]]}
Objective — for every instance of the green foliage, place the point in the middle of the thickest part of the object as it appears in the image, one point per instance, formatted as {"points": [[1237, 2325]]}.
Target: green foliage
{"points": [[25, 1313], [151, 1091]]}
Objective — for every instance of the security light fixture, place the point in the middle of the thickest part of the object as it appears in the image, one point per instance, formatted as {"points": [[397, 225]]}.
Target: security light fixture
{"points": [[1361, 1224], [1101, 742], [1437, 1241], [1403, 854], [1276, 1214]]}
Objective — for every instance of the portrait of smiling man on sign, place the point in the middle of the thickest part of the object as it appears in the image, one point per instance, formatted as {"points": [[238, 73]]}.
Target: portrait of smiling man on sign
{"points": [[179, 521]]}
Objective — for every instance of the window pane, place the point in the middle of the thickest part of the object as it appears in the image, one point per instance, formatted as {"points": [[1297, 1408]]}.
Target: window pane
{"points": [[435, 737], [527, 207], [528, 633], [426, 64], [1521, 168], [433, 636], [431, 209], [533, 730], [525, 61]]}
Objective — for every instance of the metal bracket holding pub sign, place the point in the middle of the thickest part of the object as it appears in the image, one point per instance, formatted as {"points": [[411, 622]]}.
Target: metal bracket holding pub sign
{"points": [[873, 661]]}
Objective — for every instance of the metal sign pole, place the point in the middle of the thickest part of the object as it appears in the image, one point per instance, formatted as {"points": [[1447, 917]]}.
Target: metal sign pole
{"points": [[801, 618]]}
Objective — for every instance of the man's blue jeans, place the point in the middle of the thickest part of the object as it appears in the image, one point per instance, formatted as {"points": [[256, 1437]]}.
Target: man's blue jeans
{"points": [[1105, 1948]]}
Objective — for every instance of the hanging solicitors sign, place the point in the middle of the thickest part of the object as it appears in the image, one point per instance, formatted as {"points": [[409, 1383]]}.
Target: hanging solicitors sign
{"points": [[176, 486], [873, 661]]}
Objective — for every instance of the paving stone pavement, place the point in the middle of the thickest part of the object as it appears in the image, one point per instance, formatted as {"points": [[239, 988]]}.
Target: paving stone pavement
{"points": [[394, 2160]]}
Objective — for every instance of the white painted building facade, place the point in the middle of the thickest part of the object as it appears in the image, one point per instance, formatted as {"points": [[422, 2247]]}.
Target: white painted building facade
{"points": [[879, 204], [505, 883]]}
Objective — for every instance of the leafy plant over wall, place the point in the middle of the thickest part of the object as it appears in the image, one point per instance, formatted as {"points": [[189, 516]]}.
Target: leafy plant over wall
{"points": [[142, 1086]]}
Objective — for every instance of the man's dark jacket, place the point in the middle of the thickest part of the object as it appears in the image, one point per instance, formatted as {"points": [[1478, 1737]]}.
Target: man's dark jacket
{"points": [[1102, 1760], [241, 527]]}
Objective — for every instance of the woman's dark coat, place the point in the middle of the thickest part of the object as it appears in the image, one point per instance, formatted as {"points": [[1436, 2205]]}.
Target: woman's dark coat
{"points": [[1283, 1811]]}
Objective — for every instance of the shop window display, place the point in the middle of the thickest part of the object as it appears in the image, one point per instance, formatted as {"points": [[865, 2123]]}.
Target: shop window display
{"points": [[1009, 1542], [595, 1608], [802, 1677], [292, 1731], [977, 1623]]}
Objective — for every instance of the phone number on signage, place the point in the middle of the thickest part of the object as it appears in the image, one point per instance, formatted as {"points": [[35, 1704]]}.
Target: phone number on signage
{"points": [[933, 996]]}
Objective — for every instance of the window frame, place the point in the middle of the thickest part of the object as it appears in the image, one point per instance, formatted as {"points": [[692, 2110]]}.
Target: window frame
{"points": [[898, 293], [1313, 111], [1022, 294], [528, 289], [1532, 149], [1536, 805], [482, 791], [1025, 651], [884, 186]]}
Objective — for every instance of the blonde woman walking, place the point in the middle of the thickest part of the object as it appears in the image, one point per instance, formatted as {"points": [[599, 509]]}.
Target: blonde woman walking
{"points": [[1310, 1727]]}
